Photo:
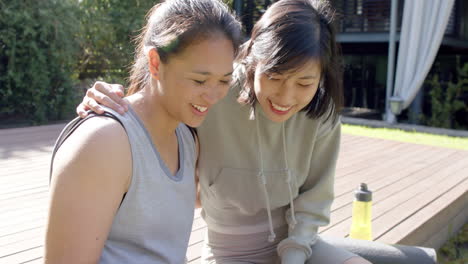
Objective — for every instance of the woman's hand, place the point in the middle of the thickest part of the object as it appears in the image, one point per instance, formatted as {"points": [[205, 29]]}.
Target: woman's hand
{"points": [[106, 94]]}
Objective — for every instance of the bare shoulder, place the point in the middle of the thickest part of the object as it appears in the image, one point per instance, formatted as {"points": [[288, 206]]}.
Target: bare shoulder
{"points": [[98, 135], [98, 149]]}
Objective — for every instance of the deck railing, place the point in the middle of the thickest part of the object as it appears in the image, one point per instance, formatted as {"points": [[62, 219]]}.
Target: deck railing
{"points": [[372, 16]]}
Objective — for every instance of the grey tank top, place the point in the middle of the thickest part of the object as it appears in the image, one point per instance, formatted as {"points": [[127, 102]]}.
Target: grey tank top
{"points": [[154, 220]]}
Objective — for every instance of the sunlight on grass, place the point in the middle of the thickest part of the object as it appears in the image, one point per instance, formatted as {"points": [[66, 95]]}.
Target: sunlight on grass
{"points": [[406, 136]]}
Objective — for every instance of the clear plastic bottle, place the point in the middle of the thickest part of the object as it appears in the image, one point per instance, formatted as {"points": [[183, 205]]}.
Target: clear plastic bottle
{"points": [[361, 227]]}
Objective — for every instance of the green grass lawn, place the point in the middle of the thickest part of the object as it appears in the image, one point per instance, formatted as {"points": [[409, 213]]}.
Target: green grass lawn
{"points": [[406, 136]]}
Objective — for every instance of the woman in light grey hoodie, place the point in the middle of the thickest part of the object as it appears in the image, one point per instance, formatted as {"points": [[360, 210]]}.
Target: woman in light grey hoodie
{"points": [[268, 150]]}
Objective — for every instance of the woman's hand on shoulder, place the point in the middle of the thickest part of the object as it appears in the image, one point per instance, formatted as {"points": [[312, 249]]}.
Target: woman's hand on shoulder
{"points": [[102, 93]]}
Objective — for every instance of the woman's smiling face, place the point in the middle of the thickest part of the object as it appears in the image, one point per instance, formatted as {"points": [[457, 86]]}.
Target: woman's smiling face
{"points": [[281, 95], [196, 79]]}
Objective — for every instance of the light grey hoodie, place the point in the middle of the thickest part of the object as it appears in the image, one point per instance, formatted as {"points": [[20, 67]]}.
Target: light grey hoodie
{"points": [[256, 175]]}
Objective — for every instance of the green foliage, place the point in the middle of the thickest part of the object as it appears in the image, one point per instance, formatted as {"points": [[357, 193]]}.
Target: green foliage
{"points": [[107, 30], [37, 53], [47, 46], [446, 102], [456, 249]]}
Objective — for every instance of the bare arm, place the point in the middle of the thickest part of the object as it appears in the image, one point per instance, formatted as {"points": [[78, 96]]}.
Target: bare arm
{"points": [[86, 190], [102, 93]]}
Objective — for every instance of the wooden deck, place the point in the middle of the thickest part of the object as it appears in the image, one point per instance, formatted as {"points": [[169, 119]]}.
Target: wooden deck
{"points": [[420, 192]]}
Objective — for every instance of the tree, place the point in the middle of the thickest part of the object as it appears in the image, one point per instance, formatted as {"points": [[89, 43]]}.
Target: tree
{"points": [[37, 54], [107, 30]]}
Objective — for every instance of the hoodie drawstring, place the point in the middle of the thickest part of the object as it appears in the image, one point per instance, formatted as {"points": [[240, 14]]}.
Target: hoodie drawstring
{"points": [[288, 179], [272, 236]]}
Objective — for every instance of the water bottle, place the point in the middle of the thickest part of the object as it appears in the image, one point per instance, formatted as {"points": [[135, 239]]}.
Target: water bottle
{"points": [[361, 227]]}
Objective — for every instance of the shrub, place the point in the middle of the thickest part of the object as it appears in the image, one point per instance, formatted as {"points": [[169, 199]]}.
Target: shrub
{"points": [[448, 99], [37, 54], [107, 30]]}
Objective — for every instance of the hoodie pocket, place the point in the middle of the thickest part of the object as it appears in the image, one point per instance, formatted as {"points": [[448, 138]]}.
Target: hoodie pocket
{"points": [[243, 190]]}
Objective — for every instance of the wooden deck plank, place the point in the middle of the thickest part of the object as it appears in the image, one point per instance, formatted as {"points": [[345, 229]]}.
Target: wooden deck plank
{"points": [[384, 187], [22, 236], [357, 154], [23, 188], [417, 189], [367, 163], [32, 193], [23, 225], [27, 254], [426, 192], [17, 247], [15, 220], [391, 211], [29, 213], [197, 236], [27, 203], [28, 162], [438, 213], [198, 223], [27, 194], [194, 251], [25, 170], [374, 172], [38, 260], [24, 180]]}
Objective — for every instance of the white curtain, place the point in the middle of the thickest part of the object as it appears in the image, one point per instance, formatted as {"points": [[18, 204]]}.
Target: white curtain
{"points": [[422, 30]]}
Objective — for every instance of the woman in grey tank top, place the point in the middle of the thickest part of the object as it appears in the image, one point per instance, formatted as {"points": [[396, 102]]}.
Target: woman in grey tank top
{"points": [[137, 205]]}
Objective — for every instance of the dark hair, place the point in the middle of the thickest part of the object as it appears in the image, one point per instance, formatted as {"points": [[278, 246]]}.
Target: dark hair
{"points": [[290, 34], [175, 24]]}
